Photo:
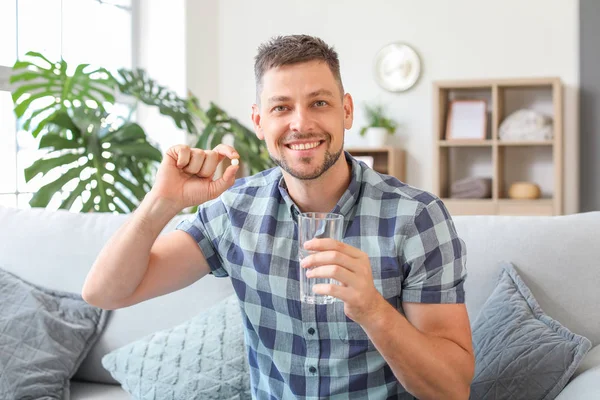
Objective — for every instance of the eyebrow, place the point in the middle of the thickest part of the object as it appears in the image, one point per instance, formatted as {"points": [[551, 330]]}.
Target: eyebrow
{"points": [[321, 92], [316, 93], [278, 99]]}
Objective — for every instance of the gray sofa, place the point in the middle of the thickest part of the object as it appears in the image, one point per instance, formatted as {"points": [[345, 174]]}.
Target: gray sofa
{"points": [[558, 257]]}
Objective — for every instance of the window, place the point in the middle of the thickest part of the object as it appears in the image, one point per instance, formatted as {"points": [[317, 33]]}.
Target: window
{"points": [[8, 32], [54, 28]]}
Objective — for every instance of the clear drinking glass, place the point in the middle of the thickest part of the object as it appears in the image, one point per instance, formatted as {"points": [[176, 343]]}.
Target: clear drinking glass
{"points": [[316, 225]]}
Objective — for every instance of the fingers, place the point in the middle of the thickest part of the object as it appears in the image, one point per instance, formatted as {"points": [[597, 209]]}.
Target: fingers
{"points": [[337, 291], [229, 174], [196, 162], [211, 160], [339, 273], [179, 154], [203, 162], [329, 257], [226, 151], [322, 245]]}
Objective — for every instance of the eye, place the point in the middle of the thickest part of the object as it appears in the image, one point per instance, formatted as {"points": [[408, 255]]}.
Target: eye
{"points": [[279, 108], [320, 103]]}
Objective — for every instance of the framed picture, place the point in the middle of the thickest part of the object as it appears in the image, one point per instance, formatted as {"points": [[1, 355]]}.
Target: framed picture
{"points": [[467, 119]]}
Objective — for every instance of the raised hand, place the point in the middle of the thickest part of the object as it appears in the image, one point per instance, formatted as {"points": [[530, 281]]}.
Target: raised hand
{"points": [[185, 175]]}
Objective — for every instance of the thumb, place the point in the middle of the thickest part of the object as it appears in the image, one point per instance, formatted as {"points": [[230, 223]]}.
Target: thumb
{"points": [[225, 182]]}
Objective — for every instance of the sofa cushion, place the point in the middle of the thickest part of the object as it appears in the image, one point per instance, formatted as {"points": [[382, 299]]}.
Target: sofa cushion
{"points": [[45, 335], [521, 353], [585, 387], [590, 361], [203, 358], [547, 249], [66, 245]]}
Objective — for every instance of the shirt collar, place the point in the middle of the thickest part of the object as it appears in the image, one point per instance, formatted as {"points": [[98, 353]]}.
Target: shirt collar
{"points": [[345, 204]]}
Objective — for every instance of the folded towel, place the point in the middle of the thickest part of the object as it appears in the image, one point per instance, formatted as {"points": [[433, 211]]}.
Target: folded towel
{"points": [[472, 187], [474, 194]]}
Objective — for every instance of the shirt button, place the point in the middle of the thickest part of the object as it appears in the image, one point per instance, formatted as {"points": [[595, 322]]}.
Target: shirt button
{"points": [[311, 331], [312, 370]]}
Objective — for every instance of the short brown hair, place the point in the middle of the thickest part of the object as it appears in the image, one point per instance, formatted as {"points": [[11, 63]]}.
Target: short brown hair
{"points": [[293, 49]]}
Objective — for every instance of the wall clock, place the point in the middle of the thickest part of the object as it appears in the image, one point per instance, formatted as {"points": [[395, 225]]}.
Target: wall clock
{"points": [[397, 67]]}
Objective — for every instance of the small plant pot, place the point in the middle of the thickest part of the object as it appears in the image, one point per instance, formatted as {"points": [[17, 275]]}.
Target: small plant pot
{"points": [[377, 137]]}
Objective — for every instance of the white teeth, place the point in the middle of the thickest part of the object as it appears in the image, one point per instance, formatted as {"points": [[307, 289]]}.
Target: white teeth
{"points": [[304, 146]]}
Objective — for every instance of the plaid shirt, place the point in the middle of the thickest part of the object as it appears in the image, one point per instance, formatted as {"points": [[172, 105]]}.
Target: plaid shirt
{"points": [[306, 351]]}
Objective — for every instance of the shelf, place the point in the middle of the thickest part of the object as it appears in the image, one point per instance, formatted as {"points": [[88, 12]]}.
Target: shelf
{"points": [[523, 83], [499, 207], [470, 206], [504, 161], [383, 149], [525, 142], [464, 85], [529, 202], [386, 160], [465, 142], [487, 83], [488, 142], [526, 164], [525, 207]]}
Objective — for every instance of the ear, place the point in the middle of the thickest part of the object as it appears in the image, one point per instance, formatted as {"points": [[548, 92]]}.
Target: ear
{"points": [[256, 121], [348, 105]]}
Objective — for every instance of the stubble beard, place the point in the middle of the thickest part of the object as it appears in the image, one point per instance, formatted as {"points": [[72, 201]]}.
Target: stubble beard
{"points": [[328, 162]]}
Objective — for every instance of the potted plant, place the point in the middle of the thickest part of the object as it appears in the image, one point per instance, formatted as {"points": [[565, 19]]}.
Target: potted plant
{"points": [[378, 127]]}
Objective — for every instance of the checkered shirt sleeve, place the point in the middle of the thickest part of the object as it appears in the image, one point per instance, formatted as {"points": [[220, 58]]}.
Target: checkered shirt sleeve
{"points": [[210, 224], [433, 258]]}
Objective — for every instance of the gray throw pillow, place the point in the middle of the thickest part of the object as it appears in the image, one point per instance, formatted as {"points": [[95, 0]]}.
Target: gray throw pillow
{"points": [[520, 352], [202, 358], [44, 336]]}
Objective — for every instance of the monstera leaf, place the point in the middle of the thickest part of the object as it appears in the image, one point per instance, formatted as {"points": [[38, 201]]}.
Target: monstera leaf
{"points": [[108, 165], [110, 162], [217, 124], [137, 84], [41, 81]]}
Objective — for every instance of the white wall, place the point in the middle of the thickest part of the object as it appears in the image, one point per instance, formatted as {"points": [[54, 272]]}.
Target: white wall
{"points": [[160, 30], [459, 39], [202, 49]]}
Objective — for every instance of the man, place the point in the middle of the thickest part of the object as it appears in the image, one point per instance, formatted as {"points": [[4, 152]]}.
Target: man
{"points": [[400, 328]]}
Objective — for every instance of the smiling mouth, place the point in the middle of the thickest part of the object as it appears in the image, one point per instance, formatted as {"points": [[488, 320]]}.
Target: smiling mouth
{"points": [[304, 146]]}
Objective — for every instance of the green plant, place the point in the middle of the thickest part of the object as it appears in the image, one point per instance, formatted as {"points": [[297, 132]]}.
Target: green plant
{"points": [[107, 157], [218, 124], [111, 164], [104, 159], [376, 118]]}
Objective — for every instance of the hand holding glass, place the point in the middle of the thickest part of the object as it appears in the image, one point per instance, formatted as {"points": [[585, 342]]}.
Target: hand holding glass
{"points": [[316, 225]]}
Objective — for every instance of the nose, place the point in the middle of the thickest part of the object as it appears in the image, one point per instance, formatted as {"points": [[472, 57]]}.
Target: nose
{"points": [[302, 121]]}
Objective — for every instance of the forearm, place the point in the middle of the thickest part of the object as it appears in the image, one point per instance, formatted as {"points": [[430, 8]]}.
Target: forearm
{"points": [[122, 263], [428, 367]]}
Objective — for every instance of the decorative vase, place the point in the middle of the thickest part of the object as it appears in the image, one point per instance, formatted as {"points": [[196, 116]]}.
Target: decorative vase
{"points": [[376, 136]]}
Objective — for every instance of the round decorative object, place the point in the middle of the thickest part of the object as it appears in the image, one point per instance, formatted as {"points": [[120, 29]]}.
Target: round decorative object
{"points": [[525, 124], [524, 191], [397, 67]]}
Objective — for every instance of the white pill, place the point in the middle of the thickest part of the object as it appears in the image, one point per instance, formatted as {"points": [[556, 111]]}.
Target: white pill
{"points": [[235, 161]]}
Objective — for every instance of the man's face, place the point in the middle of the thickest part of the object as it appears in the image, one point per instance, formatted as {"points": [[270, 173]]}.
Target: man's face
{"points": [[302, 117]]}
